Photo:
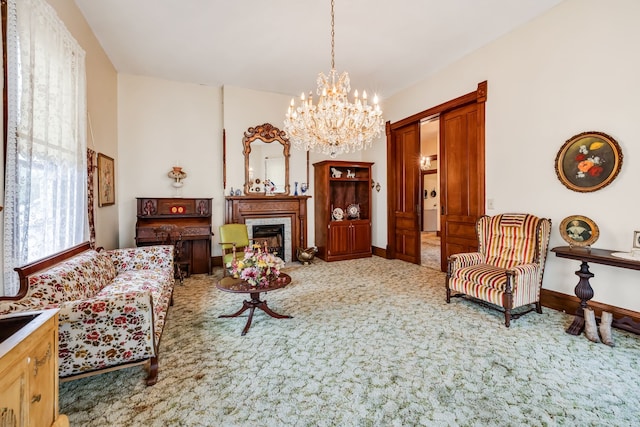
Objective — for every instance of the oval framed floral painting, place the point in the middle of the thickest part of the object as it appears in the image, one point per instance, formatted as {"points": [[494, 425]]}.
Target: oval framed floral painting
{"points": [[578, 230], [588, 161]]}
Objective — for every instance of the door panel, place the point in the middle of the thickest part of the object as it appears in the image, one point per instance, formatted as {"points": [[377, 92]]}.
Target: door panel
{"points": [[405, 224], [462, 180]]}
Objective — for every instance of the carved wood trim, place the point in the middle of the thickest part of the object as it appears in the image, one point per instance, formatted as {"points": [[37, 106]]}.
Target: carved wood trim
{"points": [[266, 133]]}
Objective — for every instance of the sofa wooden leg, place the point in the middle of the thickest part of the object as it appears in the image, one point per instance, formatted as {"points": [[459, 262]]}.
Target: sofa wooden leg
{"points": [[538, 307], [152, 377]]}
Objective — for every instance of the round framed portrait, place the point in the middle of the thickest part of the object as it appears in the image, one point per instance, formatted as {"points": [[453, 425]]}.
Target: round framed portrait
{"points": [[578, 230], [588, 161]]}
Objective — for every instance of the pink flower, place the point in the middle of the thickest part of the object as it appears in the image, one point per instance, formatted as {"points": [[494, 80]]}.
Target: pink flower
{"points": [[93, 336], [98, 307]]}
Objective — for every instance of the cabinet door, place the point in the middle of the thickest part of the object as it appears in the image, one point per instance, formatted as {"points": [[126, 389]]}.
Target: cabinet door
{"points": [[339, 239], [13, 394], [43, 370], [361, 235]]}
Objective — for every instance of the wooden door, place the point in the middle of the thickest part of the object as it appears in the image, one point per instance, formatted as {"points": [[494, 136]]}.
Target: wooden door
{"points": [[462, 177], [404, 226], [462, 150]]}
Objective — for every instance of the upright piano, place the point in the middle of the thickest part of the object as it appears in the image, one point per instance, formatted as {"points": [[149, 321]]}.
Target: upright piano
{"points": [[182, 221]]}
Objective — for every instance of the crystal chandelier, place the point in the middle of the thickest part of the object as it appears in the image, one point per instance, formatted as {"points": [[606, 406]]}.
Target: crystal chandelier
{"points": [[334, 125]]}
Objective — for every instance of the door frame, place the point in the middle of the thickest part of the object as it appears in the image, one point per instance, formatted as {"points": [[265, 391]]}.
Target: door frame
{"points": [[477, 96]]}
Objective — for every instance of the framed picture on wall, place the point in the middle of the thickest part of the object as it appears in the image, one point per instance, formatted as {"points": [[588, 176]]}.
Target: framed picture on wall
{"points": [[578, 230], [588, 161], [636, 240], [106, 181]]}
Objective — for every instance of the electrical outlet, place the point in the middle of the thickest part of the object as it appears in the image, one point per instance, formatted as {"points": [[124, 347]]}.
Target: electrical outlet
{"points": [[489, 203]]}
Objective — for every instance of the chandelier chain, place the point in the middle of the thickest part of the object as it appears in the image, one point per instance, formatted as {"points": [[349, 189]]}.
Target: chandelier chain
{"points": [[333, 37]]}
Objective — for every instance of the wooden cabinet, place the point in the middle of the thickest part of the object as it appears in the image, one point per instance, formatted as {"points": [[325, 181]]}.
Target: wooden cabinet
{"points": [[342, 209], [167, 220], [29, 370]]}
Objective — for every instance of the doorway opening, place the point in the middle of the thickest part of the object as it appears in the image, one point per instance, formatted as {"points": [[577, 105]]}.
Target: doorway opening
{"points": [[430, 193]]}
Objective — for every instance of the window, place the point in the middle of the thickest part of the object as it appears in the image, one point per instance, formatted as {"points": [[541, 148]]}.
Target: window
{"points": [[45, 164]]}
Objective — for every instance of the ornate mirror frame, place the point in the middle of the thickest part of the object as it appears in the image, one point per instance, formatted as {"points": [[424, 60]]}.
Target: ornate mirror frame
{"points": [[265, 133]]}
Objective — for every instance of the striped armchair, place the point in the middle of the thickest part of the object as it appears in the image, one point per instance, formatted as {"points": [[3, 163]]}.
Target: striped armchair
{"points": [[507, 269]]}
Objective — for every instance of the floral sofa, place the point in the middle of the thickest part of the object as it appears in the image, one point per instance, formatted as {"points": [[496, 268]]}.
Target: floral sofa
{"points": [[113, 305]]}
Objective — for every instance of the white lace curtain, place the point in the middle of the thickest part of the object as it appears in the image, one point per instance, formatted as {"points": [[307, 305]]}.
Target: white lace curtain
{"points": [[45, 173]]}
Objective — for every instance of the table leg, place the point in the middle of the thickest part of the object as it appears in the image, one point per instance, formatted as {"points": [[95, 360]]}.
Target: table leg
{"points": [[248, 324], [245, 306], [251, 306], [584, 291], [262, 305]]}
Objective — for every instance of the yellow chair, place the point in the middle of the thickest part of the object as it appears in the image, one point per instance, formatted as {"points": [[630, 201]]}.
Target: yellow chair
{"points": [[233, 236]]}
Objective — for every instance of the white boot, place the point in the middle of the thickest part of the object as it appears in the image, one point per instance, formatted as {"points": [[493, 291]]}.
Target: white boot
{"points": [[590, 327], [605, 328]]}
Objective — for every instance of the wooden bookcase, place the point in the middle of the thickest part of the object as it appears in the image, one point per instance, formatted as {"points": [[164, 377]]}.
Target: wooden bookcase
{"points": [[345, 186]]}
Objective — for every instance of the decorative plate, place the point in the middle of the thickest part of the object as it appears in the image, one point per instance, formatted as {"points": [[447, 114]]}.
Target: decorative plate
{"points": [[338, 214], [353, 211], [578, 230]]}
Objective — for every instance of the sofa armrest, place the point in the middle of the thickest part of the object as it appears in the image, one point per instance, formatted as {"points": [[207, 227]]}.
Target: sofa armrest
{"points": [[457, 261], [157, 257], [525, 275], [105, 331]]}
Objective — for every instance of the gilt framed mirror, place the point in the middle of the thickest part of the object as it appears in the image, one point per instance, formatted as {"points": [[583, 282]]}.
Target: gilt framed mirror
{"points": [[266, 161]]}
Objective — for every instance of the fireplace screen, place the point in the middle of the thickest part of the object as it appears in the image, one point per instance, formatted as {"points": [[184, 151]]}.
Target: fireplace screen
{"points": [[273, 234]]}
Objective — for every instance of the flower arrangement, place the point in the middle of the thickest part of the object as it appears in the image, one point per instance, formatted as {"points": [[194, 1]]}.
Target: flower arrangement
{"points": [[258, 267], [589, 164]]}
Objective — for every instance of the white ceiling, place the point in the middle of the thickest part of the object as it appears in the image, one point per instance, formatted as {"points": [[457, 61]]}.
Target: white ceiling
{"points": [[281, 45]]}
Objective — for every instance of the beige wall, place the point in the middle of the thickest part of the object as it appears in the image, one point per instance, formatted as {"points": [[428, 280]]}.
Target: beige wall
{"points": [[574, 69], [162, 123], [102, 124]]}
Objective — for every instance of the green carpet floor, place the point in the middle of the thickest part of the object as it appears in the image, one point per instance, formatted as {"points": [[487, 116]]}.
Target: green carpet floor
{"points": [[372, 342]]}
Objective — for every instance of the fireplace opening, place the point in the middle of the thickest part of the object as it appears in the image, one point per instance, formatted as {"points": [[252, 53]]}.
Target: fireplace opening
{"points": [[273, 234]]}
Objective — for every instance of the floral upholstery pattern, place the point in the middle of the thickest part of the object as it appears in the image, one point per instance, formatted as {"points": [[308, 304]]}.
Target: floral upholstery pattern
{"points": [[507, 269], [113, 305]]}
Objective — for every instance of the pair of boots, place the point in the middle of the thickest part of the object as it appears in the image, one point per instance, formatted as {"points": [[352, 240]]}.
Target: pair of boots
{"points": [[591, 328]]}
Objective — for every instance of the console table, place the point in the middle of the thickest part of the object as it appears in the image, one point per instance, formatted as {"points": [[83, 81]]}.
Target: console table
{"points": [[583, 289]]}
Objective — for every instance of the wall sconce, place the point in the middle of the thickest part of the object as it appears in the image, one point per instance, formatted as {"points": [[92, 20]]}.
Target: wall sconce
{"points": [[177, 175], [375, 185], [425, 163]]}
